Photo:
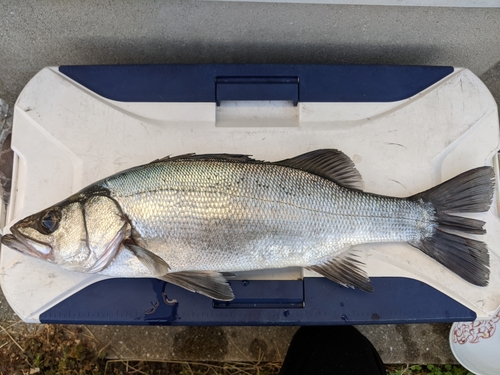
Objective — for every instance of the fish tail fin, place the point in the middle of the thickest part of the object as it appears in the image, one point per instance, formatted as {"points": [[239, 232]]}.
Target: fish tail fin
{"points": [[471, 191]]}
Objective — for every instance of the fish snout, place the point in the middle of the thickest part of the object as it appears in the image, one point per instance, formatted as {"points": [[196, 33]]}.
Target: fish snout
{"points": [[20, 241]]}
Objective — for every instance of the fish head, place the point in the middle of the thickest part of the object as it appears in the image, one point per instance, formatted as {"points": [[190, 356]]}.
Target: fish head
{"points": [[56, 234], [82, 233]]}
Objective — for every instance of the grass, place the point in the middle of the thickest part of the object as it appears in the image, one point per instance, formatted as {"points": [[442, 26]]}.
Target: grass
{"points": [[73, 350]]}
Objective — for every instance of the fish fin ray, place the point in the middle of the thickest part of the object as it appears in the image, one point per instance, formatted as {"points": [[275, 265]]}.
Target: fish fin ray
{"points": [[344, 270], [226, 157], [330, 164], [209, 283], [168, 157], [471, 191], [136, 238], [466, 257], [156, 265]]}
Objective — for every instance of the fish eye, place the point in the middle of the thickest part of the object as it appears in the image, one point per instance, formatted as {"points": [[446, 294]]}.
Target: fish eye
{"points": [[50, 221]]}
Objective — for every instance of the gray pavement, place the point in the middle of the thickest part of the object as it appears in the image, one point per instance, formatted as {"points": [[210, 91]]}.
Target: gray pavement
{"points": [[34, 34]]}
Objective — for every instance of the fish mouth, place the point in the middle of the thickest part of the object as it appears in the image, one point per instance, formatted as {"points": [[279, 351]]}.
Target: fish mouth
{"points": [[19, 242]]}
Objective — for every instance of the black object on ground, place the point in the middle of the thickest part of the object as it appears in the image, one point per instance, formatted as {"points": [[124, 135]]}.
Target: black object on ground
{"points": [[339, 350]]}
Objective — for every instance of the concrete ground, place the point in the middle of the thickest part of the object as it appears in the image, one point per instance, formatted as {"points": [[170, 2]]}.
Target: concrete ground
{"points": [[409, 343], [34, 34]]}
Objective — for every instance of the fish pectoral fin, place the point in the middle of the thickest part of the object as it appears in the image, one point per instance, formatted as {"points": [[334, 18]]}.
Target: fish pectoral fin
{"points": [[156, 265], [345, 271], [209, 283], [328, 163]]}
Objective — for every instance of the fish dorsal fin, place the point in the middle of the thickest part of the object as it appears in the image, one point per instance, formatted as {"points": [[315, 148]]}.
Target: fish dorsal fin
{"points": [[209, 283], [344, 270], [226, 157], [328, 163]]}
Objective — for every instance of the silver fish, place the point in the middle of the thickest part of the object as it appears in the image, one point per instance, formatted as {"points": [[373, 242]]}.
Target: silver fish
{"points": [[191, 219]]}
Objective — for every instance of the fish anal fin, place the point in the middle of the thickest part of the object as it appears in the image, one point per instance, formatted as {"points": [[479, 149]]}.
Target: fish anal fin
{"points": [[344, 270], [156, 265], [209, 283], [330, 164]]}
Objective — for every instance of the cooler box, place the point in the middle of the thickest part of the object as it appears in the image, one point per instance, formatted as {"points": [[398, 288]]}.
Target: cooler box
{"points": [[407, 128]]}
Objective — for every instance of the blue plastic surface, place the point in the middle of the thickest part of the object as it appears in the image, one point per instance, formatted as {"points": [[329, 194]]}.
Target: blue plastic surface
{"points": [[197, 83], [151, 301]]}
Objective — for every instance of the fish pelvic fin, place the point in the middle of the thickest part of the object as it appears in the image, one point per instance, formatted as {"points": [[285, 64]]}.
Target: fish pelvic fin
{"points": [[345, 270], [209, 283], [471, 191]]}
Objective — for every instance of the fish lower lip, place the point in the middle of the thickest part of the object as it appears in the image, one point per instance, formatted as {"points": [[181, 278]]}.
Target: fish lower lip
{"points": [[17, 241], [15, 244]]}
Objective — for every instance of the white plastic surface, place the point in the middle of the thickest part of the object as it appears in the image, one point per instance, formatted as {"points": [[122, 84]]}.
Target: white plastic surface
{"points": [[66, 137]]}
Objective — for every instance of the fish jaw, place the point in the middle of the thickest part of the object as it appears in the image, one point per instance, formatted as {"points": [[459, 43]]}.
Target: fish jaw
{"points": [[26, 245]]}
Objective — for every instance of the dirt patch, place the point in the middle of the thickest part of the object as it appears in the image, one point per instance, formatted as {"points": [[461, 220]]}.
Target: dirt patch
{"points": [[73, 350], [203, 342], [49, 349]]}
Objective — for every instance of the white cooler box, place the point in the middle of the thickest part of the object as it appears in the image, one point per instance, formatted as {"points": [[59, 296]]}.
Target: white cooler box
{"points": [[407, 128]]}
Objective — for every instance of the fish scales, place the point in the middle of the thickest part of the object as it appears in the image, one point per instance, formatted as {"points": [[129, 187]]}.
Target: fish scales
{"points": [[229, 216]]}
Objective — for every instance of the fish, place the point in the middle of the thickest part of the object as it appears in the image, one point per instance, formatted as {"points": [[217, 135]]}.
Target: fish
{"points": [[195, 220]]}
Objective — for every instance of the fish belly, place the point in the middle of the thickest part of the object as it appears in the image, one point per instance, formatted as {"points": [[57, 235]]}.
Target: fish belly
{"points": [[214, 215]]}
